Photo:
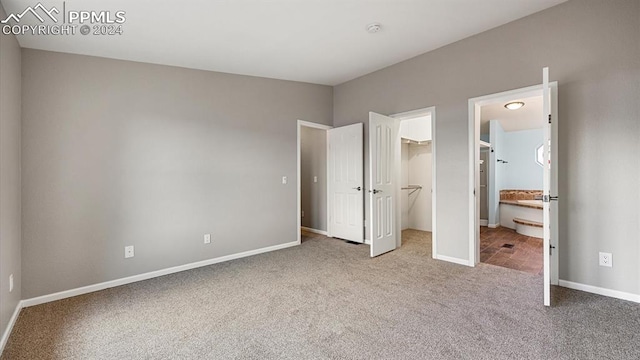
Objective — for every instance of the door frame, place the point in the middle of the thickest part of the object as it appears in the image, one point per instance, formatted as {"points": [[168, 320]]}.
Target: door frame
{"points": [[398, 174], [474, 157], [300, 124]]}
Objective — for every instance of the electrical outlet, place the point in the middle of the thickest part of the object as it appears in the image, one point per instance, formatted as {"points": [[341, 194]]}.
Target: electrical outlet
{"points": [[207, 238], [302, 213], [128, 251], [11, 283], [606, 259], [284, 180], [315, 179]]}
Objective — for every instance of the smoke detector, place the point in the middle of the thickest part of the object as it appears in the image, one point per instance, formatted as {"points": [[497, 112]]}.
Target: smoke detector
{"points": [[373, 28]]}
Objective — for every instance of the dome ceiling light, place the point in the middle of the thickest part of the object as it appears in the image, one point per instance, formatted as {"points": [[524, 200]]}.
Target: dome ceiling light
{"points": [[514, 105]]}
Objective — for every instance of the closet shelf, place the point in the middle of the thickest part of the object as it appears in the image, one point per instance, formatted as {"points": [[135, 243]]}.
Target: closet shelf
{"points": [[413, 188]]}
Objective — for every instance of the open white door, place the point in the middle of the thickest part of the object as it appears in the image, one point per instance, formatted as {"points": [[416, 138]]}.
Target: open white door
{"points": [[345, 183], [383, 133], [550, 183]]}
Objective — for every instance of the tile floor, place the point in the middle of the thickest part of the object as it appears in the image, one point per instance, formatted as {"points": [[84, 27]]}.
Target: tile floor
{"points": [[525, 255]]}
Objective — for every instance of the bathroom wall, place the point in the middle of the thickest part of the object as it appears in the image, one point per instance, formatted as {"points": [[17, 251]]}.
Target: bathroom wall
{"points": [[313, 177], [496, 170], [522, 172]]}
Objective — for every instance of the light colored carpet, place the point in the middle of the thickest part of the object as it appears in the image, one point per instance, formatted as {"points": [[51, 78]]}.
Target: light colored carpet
{"points": [[326, 299]]}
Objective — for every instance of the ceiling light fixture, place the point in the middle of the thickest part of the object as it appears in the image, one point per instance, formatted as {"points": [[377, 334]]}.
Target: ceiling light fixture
{"points": [[374, 28], [514, 105]]}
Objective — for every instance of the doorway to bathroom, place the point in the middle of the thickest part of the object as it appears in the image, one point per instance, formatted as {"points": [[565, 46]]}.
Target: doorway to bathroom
{"points": [[513, 142], [415, 168], [511, 177]]}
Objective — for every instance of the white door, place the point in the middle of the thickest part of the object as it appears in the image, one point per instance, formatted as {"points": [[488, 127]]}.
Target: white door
{"points": [[345, 185], [549, 186], [383, 133]]}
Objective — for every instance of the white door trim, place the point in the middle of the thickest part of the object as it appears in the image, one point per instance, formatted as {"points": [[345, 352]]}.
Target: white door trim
{"points": [[398, 173], [474, 156], [299, 125]]}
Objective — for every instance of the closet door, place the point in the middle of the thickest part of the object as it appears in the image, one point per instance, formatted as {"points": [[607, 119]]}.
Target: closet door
{"points": [[383, 134], [345, 183]]}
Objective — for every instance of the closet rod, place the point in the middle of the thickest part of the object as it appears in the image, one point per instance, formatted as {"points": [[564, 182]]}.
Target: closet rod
{"points": [[413, 188]]}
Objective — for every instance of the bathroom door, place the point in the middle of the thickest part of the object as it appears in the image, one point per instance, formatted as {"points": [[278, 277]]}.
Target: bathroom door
{"points": [[550, 186], [383, 134]]}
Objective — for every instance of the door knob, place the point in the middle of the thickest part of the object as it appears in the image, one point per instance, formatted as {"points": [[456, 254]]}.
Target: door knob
{"points": [[375, 191], [357, 188]]}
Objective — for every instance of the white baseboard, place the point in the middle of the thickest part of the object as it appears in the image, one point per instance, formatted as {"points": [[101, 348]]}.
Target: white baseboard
{"points": [[12, 322], [153, 274], [600, 291], [484, 222], [452, 260], [367, 241], [493, 226], [315, 231]]}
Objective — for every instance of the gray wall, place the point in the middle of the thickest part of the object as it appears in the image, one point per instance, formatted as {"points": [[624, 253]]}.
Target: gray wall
{"points": [[121, 153], [313, 161], [593, 51], [10, 203]]}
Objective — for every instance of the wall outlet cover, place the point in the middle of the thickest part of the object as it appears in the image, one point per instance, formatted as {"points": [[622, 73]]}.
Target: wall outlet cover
{"points": [[605, 259], [128, 251], [207, 238]]}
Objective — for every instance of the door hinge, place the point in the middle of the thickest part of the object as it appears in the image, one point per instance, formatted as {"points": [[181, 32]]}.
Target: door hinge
{"points": [[549, 118], [551, 247], [549, 198]]}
